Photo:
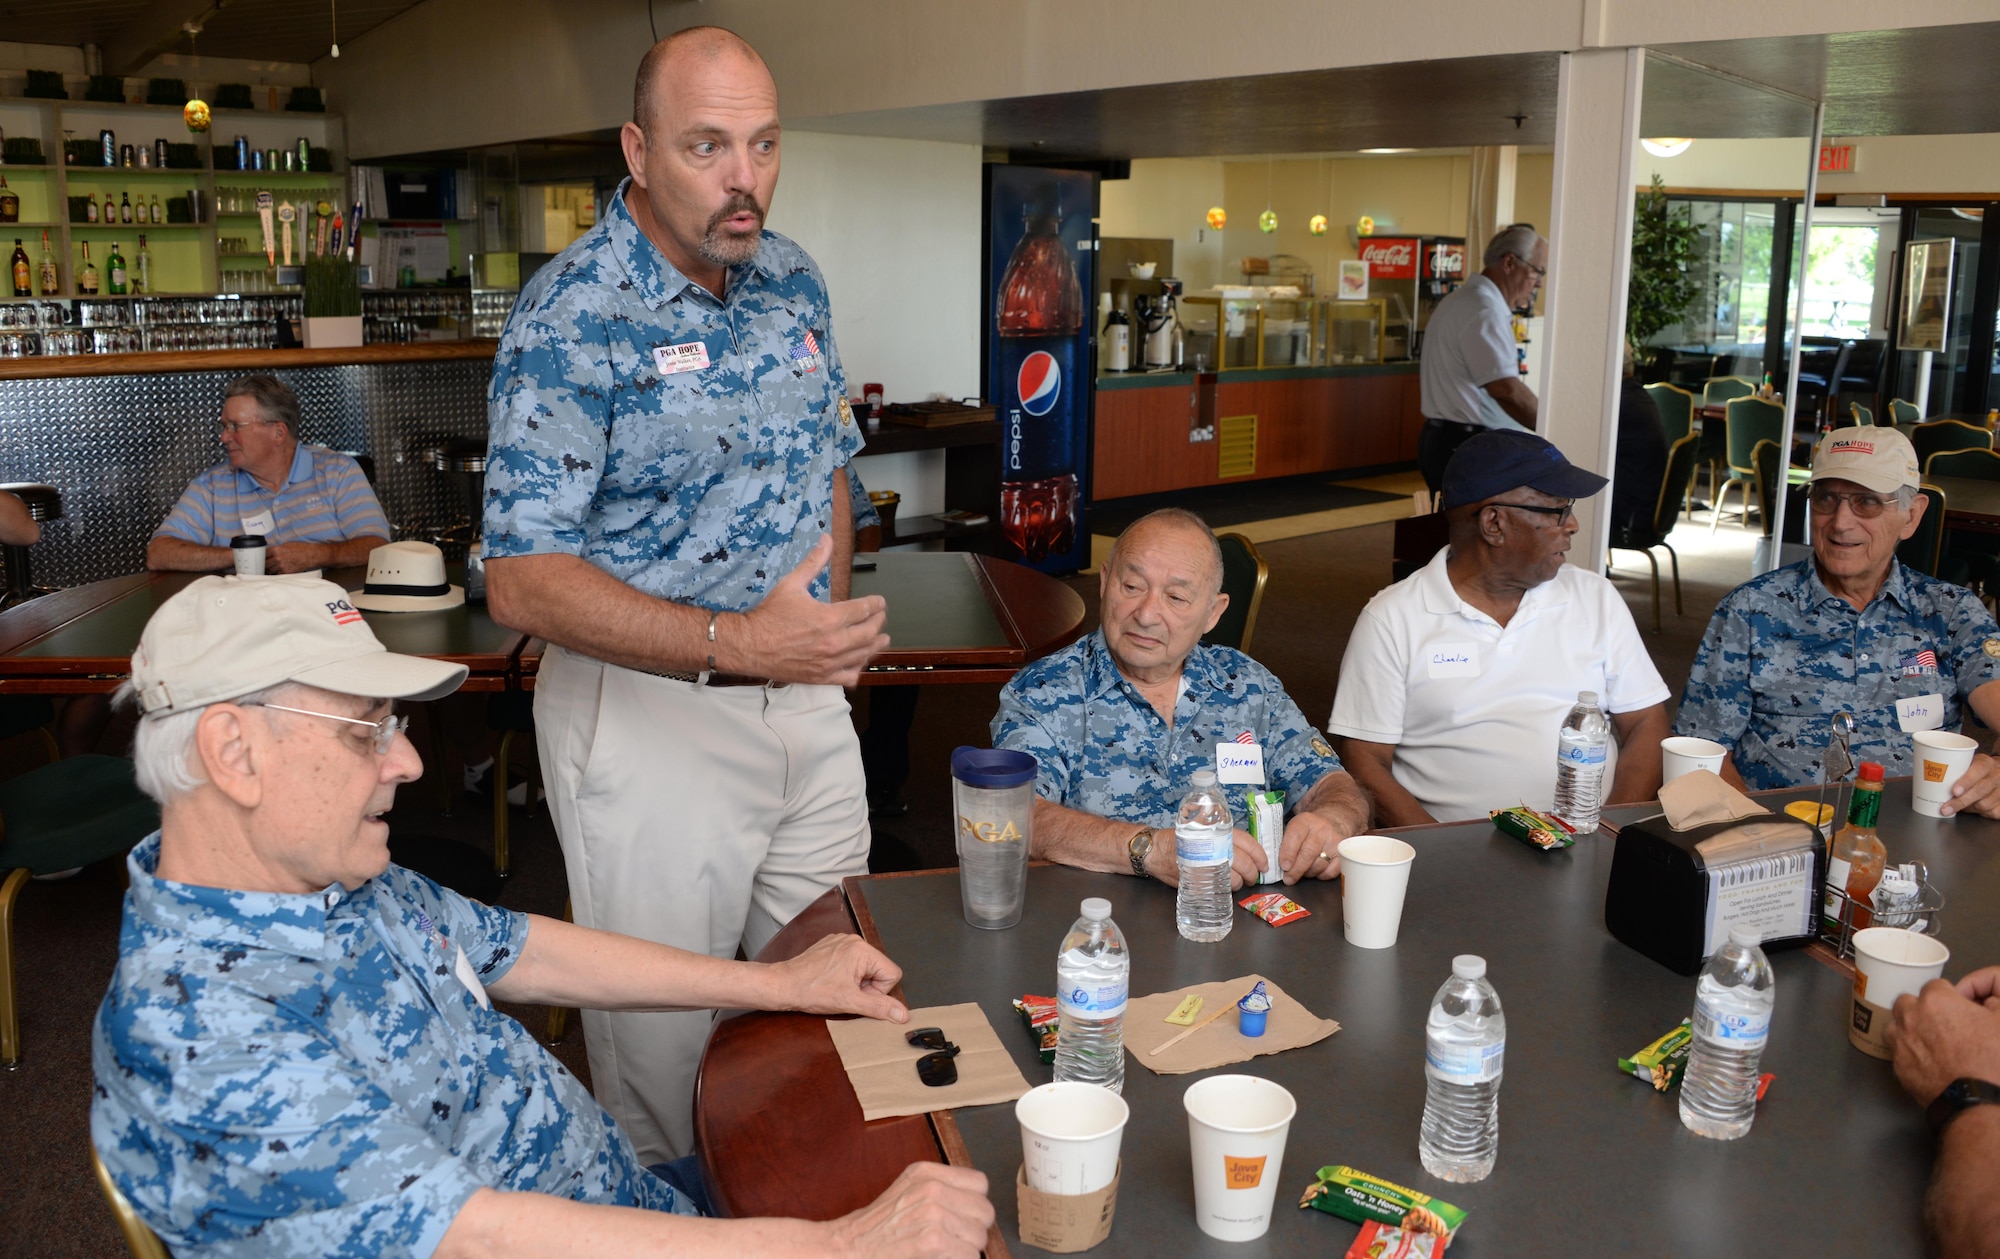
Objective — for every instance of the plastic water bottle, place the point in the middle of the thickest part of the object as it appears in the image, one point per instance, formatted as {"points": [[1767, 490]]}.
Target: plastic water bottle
{"points": [[1732, 1020], [1204, 842], [1093, 976], [1581, 748], [1465, 1047]]}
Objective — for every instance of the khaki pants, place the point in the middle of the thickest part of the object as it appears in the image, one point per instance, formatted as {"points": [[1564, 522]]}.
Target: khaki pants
{"points": [[701, 817]]}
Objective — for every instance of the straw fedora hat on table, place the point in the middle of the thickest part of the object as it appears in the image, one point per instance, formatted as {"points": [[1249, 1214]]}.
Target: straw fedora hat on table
{"points": [[407, 577]]}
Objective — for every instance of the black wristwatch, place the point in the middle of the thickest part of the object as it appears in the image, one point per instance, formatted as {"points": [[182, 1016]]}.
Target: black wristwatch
{"points": [[1139, 847], [1958, 1097]]}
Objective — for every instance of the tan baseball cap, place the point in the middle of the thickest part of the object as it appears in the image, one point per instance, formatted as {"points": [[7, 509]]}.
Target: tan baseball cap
{"points": [[1875, 457], [228, 636]]}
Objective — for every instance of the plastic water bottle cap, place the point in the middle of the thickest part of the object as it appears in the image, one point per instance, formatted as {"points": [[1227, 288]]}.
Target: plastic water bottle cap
{"points": [[1204, 778], [1587, 697], [1097, 909], [1468, 966], [1748, 937]]}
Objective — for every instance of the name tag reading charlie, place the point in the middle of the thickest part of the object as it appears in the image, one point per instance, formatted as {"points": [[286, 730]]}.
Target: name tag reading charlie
{"points": [[1239, 763], [259, 524], [1919, 712], [689, 357], [1454, 660]]}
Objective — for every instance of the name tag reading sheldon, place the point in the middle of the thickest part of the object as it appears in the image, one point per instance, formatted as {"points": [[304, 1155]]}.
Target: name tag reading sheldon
{"points": [[1919, 712], [1239, 763], [462, 967], [1454, 660], [690, 357]]}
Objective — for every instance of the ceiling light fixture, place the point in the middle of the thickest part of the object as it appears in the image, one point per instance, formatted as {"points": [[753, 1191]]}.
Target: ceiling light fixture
{"points": [[333, 23], [195, 113], [1666, 146], [1379, 151]]}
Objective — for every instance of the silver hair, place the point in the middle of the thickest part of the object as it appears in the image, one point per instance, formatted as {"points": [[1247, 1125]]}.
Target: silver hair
{"points": [[1180, 517], [1906, 498], [273, 397], [1519, 240], [163, 752]]}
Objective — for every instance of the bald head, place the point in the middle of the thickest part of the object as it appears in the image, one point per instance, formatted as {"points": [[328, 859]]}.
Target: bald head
{"points": [[1175, 526], [683, 53]]}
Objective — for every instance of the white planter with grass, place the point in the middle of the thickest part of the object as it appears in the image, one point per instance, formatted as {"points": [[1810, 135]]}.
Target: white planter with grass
{"points": [[329, 332], [333, 304]]}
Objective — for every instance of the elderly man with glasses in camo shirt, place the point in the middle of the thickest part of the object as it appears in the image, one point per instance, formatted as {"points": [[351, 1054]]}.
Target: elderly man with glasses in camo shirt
{"points": [[1849, 630]]}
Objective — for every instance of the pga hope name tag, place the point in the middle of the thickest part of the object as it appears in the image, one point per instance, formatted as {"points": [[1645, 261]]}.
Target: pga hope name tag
{"points": [[1919, 712], [462, 967], [689, 357], [1239, 763]]}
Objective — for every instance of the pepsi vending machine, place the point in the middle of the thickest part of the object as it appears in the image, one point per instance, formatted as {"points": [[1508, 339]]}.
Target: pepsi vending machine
{"points": [[1040, 260]]}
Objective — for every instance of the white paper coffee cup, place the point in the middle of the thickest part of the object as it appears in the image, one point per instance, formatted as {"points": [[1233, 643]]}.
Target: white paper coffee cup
{"points": [[1888, 962], [1374, 875], [1941, 757], [1236, 1134], [247, 551], [1683, 754], [1070, 1134]]}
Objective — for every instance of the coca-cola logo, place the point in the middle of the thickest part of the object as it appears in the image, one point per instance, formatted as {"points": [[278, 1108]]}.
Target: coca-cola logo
{"points": [[1388, 254]]}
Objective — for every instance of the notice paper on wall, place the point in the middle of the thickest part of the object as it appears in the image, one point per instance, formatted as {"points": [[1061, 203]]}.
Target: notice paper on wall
{"points": [[425, 250], [1770, 895]]}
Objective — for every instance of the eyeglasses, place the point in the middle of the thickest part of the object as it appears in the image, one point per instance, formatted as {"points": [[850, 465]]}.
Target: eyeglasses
{"points": [[229, 428], [385, 730], [1541, 273], [936, 1069], [1864, 506], [1563, 514]]}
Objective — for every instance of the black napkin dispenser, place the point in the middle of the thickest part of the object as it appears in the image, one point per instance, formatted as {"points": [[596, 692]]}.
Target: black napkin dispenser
{"points": [[1674, 894]]}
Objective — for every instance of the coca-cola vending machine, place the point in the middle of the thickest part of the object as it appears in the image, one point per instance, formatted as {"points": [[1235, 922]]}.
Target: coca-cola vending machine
{"points": [[1040, 261], [1413, 274]]}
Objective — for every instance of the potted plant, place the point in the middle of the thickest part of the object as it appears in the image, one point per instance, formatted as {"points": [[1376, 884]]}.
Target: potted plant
{"points": [[333, 303], [1665, 249]]}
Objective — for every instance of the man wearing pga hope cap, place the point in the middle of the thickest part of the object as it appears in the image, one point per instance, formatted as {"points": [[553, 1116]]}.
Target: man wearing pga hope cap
{"points": [[298, 1053], [1457, 678], [1849, 630]]}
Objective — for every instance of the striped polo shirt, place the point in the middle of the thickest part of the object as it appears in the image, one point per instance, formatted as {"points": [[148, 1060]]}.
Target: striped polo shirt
{"points": [[325, 498]]}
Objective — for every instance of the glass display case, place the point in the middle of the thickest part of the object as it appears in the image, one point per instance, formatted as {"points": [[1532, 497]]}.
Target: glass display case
{"points": [[1348, 332]]}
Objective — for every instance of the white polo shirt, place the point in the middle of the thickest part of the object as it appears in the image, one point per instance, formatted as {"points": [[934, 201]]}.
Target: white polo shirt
{"points": [[1469, 344], [1473, 708]]}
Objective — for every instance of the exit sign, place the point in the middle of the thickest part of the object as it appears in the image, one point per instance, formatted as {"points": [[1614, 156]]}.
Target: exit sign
{"points": [[1836, 159]]}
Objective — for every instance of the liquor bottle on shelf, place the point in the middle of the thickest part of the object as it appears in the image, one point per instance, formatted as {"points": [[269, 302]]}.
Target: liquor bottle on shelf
{"points": [[23, 286], [125, 207], [110, 211], [142, 270], [159, 211], [50, 281], [114, 263], [90, 209], [86, 275], [10, 203]]}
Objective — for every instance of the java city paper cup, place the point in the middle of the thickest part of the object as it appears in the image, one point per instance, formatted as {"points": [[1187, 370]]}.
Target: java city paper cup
{"points": [[1070, 1134], [1682, 754], [1888, 962], [1374, 874], [1236, 1135], [1941, 757]]}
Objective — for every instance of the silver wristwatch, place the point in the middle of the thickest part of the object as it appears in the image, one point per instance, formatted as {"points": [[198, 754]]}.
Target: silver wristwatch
{"points": [[1139, 847]]}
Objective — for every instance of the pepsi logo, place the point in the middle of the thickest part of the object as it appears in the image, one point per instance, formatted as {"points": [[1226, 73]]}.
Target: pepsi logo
{"points": [[1039, 383]]}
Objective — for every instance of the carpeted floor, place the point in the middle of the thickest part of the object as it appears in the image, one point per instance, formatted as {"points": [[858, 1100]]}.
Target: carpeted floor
{"points": [[66, 933]]}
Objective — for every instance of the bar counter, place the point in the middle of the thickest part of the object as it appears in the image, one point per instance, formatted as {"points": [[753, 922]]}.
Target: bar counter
{"points": [[70, 366]]}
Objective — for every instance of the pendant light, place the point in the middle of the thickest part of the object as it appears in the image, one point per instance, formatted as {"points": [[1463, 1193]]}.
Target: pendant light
{"points": [[1267, 222], [195, 113], [1317, 224], [333, 24]]}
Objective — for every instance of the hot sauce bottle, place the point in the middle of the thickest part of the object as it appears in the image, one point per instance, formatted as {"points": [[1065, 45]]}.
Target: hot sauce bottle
{"points": [[1857, 858]]}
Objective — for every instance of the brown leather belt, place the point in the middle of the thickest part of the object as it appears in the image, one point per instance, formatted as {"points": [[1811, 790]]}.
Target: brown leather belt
{"points": [[717, 679]]}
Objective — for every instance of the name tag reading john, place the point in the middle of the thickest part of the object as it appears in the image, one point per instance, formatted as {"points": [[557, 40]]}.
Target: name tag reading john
{"points": [[1919, 712], [1454, 660], [1239, 763], [689, 357]]}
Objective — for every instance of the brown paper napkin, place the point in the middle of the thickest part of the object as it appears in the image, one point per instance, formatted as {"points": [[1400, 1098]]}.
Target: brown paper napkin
{"points": [[1700, 797], [1290, 1026], [881, 1065]]}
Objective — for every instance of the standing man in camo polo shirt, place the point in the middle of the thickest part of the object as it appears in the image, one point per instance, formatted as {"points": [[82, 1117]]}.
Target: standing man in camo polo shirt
{"points": [[667, 505]]}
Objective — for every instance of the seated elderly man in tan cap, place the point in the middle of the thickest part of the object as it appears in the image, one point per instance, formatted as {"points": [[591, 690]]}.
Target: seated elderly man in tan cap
{"points": [[299, 1054], [1849, 630]]}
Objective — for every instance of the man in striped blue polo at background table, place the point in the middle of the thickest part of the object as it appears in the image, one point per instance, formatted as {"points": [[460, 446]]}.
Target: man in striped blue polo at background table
{"points": [[311, 505]]}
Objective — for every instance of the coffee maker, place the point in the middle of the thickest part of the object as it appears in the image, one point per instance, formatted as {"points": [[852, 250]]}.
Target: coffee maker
{"points": [[1159, 323]]}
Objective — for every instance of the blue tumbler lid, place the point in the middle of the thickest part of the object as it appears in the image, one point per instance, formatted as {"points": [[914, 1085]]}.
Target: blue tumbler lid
{"points": [[992, 767]]}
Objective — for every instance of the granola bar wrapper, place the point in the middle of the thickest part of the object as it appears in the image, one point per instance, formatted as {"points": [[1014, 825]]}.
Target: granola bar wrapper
{"points": [[1275, 908], [1661, 1063], [1353, 1195], [1264, 814], [1386, 1241], [1536, 829], [1041, 1016]]}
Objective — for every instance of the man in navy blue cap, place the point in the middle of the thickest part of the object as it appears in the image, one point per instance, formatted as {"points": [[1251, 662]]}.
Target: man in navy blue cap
{"points": [[1457, 678]]}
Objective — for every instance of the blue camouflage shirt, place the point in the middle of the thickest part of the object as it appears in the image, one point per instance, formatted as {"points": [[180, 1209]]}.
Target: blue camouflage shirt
{"points": [[1782, 654], [684, 444], [306, 1075], [1103, 749]]}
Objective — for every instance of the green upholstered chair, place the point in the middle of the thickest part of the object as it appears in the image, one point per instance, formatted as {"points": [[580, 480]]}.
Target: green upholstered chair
{"points": [[1923, 550], [1724, 389], [1863, 417], [1243, 576], [59, 816], [1935, 437], [1902, 411], [1676, 408], [512, 713], [1966, 558], [1751, 421], [142, 1241], [1681, 458]]}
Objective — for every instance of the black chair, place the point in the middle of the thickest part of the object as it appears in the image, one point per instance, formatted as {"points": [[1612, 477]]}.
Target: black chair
{"points": [[1936, 437], [1244, 573], [1923, 550], [44, 504], [1681, 457], [1967, 558], [1863, 374], [1819, 379]]}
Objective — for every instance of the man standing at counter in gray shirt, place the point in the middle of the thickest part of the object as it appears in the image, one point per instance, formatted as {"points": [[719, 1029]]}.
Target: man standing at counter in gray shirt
{"points": [[1469, 370]]}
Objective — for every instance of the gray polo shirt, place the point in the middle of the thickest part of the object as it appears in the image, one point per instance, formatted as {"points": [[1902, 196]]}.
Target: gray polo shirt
{"points": [[1469, 344]]}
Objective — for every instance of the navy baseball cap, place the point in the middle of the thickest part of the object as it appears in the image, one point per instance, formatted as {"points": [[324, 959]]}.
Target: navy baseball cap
{"points": [[1501, 459]]}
